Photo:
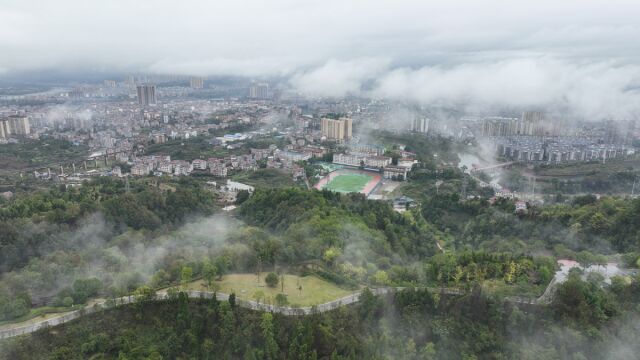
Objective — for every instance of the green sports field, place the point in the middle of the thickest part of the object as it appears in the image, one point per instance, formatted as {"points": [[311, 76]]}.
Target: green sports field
{"points": [[348, 183]]}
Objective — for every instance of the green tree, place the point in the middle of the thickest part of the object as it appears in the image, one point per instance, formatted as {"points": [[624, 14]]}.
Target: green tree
{"points": [[186, 274], [270, 345], [281, 300], [209, 272], [242, 196]]}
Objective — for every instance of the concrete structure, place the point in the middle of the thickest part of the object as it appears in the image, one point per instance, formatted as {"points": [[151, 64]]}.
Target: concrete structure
{"points": [[14, 125], [236, 186], [359, 160], [395, 172], [199, 164], [340, 130], [556, 149], [146, 94], [420, 125], [140, 170], [196, 82], [532, 123], [293, 156], [259, 91]]}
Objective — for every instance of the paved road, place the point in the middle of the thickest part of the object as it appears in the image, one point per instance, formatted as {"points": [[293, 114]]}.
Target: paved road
{"points": [[16, 330], [12, 330]]}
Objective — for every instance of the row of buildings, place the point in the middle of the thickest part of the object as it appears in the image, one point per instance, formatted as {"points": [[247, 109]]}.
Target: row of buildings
{"points": [[222, 167], [531, 123], [372, 157], [17, 125], [555, 150]]}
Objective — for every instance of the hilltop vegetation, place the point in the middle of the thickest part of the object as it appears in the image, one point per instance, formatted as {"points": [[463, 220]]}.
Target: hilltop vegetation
{"points": [[408, 325]]}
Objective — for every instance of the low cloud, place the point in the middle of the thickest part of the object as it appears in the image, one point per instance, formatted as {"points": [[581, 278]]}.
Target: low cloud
{"points": [[592, 90], [338, 78], [584, 90]]}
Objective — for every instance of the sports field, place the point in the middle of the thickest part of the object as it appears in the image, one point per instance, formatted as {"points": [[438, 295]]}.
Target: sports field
{"points": [[347, 181]]}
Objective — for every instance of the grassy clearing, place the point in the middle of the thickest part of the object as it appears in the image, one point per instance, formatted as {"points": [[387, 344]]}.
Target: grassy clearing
{"points": [[265, 178], [500, 288], [348, 183], [248, 287]]}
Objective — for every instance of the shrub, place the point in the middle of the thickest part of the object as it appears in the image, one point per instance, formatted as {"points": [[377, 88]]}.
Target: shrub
{"points": [[271, 280]]}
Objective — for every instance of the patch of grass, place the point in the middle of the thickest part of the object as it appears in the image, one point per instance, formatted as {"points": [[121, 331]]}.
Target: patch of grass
{"points": [[502, 289], [248, 287], [265, 178]]}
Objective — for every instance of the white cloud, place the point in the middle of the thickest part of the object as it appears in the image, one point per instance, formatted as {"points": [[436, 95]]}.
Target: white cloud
{"points": [[579, 55], [338, 78], [198, 36], [588, 90]]}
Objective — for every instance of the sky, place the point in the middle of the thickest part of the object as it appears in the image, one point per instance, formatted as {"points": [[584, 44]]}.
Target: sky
{"points": [[581, 54]]}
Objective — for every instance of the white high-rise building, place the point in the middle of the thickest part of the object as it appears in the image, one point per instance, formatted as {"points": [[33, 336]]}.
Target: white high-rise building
{"points": [[420, 125]]}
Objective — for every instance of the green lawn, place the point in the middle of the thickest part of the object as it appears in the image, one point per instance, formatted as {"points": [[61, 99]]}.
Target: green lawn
{"points": [[249, 287], [500, 288], [348, 183]]}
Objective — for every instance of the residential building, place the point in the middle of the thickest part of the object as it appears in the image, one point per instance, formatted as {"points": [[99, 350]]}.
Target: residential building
{"points": [[140, 170], [146, 94], [259, 91], [14, 125], [199, 164], [395, 172], [339, 130], [196, 82], [420, 124], [359, 160]]}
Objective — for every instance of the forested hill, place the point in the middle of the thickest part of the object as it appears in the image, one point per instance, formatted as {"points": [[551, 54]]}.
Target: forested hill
{"points": [[325, 219], [411, 325]]}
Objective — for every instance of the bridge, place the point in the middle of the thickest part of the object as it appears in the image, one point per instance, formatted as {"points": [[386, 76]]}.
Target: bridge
{"points": [[493, 167]]}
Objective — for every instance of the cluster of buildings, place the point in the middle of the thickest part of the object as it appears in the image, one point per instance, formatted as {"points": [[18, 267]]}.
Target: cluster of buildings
{"points": [[371, 157], [223, 166], [14, 125], [556, 150], [531, 123]]}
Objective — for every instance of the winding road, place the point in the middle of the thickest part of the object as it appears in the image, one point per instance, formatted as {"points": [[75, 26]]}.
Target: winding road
{"points": [[18, 329]]}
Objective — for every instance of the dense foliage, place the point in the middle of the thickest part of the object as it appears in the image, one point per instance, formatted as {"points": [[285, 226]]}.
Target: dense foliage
{"points": [[587, 223], [54, 243], [412, 324]]}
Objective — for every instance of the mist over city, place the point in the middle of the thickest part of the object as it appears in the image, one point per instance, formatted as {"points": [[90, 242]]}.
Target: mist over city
{"points": [[319, 179]]}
